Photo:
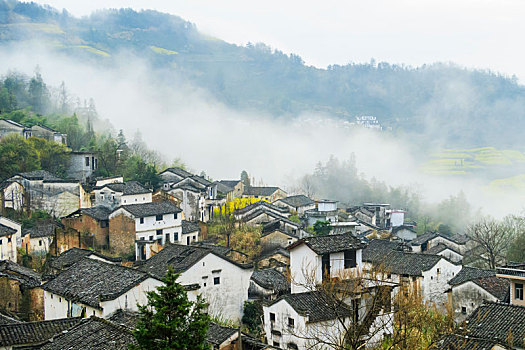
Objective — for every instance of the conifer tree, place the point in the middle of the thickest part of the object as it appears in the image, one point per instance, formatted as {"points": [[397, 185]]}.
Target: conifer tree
{"points": [[170, 320]]}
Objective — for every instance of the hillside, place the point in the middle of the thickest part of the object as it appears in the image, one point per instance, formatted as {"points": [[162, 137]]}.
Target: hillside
{"points": [[450, 105]]}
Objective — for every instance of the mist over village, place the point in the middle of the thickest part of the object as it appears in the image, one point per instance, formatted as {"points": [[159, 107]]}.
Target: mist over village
{"points": [[242, 176]]}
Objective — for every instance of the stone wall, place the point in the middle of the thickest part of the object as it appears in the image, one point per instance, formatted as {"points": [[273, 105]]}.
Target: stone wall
{"points": [[84, 224]]}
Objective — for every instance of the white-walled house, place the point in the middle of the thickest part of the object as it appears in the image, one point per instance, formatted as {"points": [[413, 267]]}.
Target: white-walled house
{"points": [[302, 321], [10, 238], [471, 287], [115, 194], [93, 287], [429, 274], [445, 251], [144, 224], [222, 282], [315, 258]]}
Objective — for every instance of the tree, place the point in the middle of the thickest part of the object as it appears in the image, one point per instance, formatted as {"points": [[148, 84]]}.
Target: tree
{"points": [[252, 317], [245, 178], [516, 225], [170, 320], [492, 238], [322, 227], [16, 155], [53, 157]]}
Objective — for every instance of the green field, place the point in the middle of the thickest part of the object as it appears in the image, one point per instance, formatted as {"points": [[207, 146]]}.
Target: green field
{"points": [[469, 161]]}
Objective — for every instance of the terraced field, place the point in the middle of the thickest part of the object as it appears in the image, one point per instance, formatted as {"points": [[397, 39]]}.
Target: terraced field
{"points": [[470, 161]]}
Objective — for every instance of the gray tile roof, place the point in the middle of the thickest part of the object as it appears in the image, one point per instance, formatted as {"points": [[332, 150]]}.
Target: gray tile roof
{"points": [[261, 205], [259, 191], [458, 239], [98, 213], [23, 275], [74, 255], [189, 227], [497, 286], [297, 201], [93, 333], [330, 243], [495, 321], [217, 334], [6, 231], [378, 248], [178, 171], [40, 230], [151, 209], [38, 175], [217, 249], [423, 238], [125, 318], [438, 248], [461, 342], [222, 188], [33, 333], [468, 273], [271, 279], [127, 188], [316, 305], [399, 262], [5, 320], [229, 183], [180, 257], [91, 281], [263, 210]]}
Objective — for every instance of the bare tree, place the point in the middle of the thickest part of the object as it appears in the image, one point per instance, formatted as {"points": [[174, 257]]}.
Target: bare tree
{"points": [[493, 239], [307, 186]]}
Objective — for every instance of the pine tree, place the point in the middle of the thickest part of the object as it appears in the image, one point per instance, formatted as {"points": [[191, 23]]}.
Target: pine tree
{"points": [[170, 320]]}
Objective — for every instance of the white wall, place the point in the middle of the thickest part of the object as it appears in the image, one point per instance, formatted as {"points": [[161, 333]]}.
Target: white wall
{"points": [[137, 198], [327, 206], [304, 265], [435, 284], [168, 225], [226, 299], [397, 219], [56, 306], [468, 295], [302, 331], [40, 245]]}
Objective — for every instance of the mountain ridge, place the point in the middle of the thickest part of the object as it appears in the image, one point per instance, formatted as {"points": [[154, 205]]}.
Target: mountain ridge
{"points": [[444, 102]]}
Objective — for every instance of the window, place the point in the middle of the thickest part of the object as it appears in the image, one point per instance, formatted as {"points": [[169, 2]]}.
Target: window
{"points": [[272, 317], [204, 284], [167, 237], [350, 259], [159, 232], [151, 238], [276, 344], [291, 322], [103, 223], [158, 217], [175, 216], [292, 346], [438, 271], [141, 220], [216, 280], [518, 291], [464, 310], [8, 239], [175, 237], [51, 296], [40, 242], [87, 161], [1, 240]]}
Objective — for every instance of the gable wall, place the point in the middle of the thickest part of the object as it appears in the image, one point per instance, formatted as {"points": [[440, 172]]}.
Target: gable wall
{"points": [[470, 296]]}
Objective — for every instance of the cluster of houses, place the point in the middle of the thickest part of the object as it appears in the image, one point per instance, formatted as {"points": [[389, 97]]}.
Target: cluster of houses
{"points": [[116, 239]]}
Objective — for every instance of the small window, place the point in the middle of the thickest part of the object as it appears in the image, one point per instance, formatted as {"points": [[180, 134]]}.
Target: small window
{"points": [[272, 317], [175, 237], [519, 291], [438, 271], [1, 240], [350, 259], [292, 346], [151, 238], [464, 310], [8, 239], [275, 343], [141, 220], [93, 312], [59, 300], [40, 242], [291, 322], [204, 284], [51, 296], [87, 161], [167, 237], [158, 217], [159, 232], [216, 280], [175, 216]]}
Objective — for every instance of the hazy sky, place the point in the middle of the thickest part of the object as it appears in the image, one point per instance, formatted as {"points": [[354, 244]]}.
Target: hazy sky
{"points": [[481, 34]]}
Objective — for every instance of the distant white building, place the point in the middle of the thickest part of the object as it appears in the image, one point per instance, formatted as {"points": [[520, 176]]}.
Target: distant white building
{"points": [[10, 238]]}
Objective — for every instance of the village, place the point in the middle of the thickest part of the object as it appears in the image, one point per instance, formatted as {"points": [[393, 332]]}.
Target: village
{"points": [[311, 273]]}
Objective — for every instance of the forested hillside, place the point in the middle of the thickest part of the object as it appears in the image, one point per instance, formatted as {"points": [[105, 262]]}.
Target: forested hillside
{"points": [[457, 106]]}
